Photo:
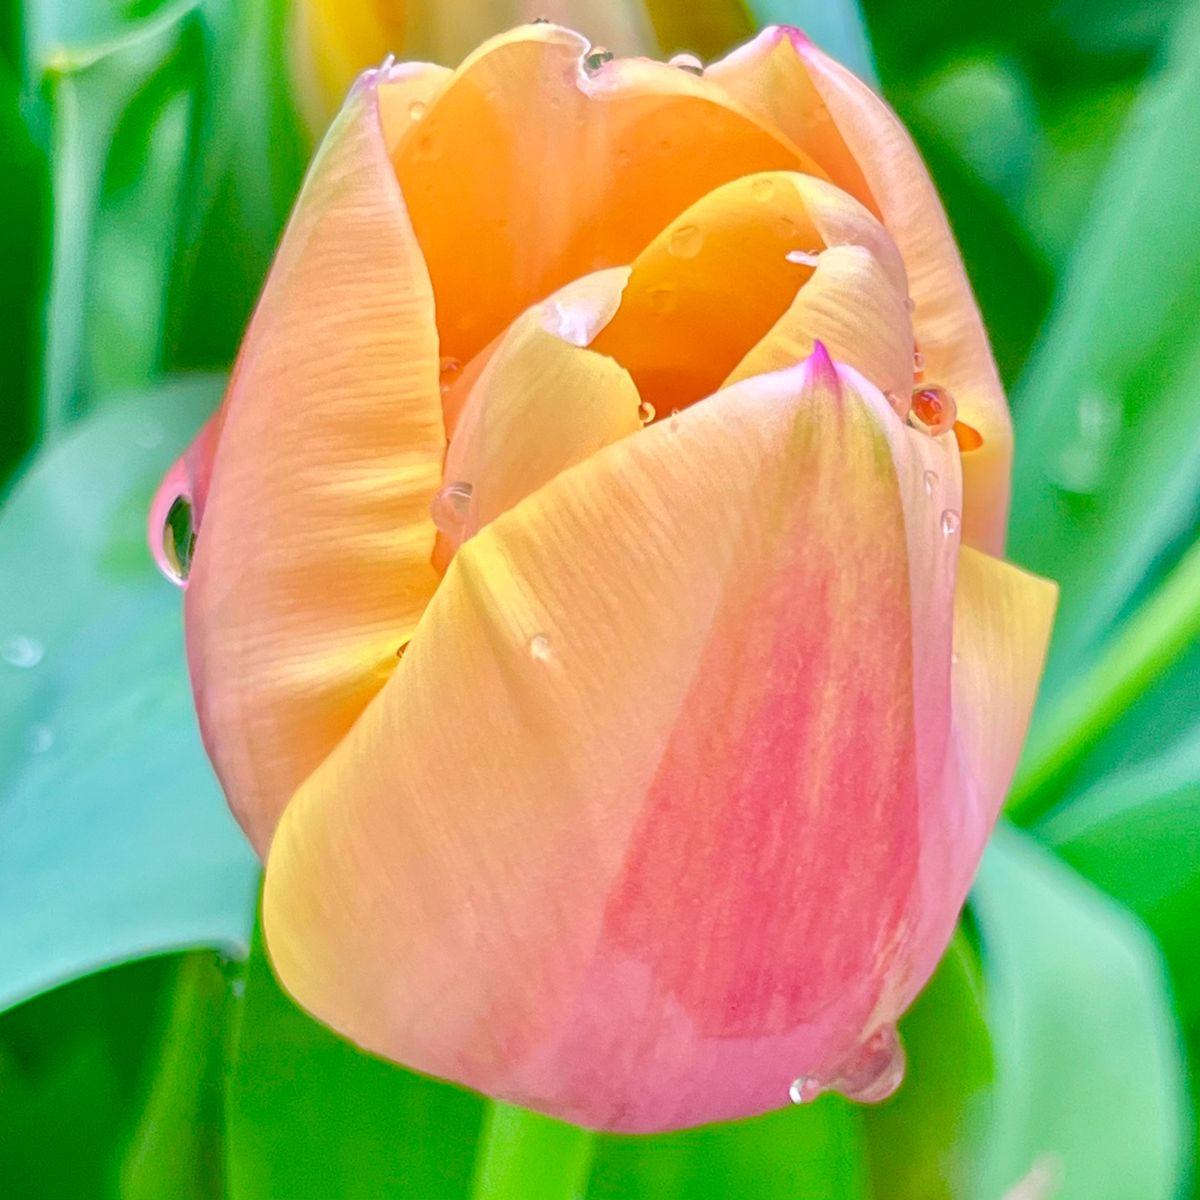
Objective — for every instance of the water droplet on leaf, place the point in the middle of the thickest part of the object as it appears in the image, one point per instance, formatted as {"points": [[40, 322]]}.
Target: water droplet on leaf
{"points": [[951, 522], [930, 482], [918, 361], [875, 1071], [539, 648], [804, 1090], [178, 546]]}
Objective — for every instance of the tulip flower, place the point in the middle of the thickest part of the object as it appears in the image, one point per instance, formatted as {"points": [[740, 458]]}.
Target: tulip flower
{"points": [[595, 618]]}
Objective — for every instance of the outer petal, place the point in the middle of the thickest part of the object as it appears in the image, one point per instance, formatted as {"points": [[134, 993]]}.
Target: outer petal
{"points": [[313, 561], [728, 254], [543, 403], [787, 81], [529, 171], [648, 777]]}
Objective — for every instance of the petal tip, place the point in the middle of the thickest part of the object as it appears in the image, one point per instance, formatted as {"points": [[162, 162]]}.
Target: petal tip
{"points": [[821, 369]]}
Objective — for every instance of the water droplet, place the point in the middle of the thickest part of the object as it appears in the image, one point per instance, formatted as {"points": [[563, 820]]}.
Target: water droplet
{"points": [[178, 547], [451, 507], [1079, 461], [539, 648], [762, 189], [41, 738], [687, 62], [910, 304], [807, 258], [934, 407], [401, 649], [687, 241], [448, 371], [595, 59], [804, 1090], [646, 412], [875, 1071], [662, 299], [951, 522], [21, 651], [918, 361], [931, 479], [416, 110]]}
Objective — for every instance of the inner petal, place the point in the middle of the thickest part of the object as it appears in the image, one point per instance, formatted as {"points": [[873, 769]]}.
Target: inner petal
{"points": [[528, 170]]}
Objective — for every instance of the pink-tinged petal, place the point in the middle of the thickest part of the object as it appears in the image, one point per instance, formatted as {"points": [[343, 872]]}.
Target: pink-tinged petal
{"points": [[313, 561], [530, 170], [542, 403], [728, 290], [784, 79], [649, 773]]}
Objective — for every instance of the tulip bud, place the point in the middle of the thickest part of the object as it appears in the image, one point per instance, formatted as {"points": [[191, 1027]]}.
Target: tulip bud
{"points": [[594, 617]]}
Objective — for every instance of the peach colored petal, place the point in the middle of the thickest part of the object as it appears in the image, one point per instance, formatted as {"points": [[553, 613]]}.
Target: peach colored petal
{"points": [[312, 564], [633, 833], [529, 171], [542, 404], [825, 109], [715, 296], [405, 92]]}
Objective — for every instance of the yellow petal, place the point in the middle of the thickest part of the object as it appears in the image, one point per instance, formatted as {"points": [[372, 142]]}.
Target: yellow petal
{"points": [[529, 171], [785, 80], [542, 403], [313, 559], [654, 728], [715, 297]]}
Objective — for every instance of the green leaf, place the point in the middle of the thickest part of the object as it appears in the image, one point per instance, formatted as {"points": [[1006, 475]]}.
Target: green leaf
{"points": [[114, 838], [926, 1140], [1089, 1085], [523, 1154], [1108, 448], [836, 26], [310, 1115], [816, 1150], [1137, 836]]}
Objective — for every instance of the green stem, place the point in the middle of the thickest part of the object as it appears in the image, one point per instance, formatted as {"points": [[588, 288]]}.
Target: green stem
{"points": [[1158, 634], [525, 1156]]}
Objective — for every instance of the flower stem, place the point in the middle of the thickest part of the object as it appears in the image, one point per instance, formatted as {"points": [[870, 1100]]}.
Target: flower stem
{"points": [[525, 1156]]}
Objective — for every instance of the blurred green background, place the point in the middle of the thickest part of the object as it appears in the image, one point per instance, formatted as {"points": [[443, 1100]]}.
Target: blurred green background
{"points": [[149, 150]]}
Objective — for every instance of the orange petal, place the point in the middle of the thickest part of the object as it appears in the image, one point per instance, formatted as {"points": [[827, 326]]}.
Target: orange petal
{"points": [[542, 404], [529, 171], [838, 119], [649, 769], [729, 254], [312, 564], [405, 92]]}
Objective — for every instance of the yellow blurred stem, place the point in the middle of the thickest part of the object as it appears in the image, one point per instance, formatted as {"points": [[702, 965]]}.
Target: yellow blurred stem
{"points": [[523, 1154], [1159, 633]]}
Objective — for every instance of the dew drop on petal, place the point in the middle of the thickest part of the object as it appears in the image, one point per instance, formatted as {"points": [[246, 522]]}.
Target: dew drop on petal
{"points": [[663, 299], [762, 189], [21, 651], [931, 479], [804, 1090], [177, 546], [918, 361], [596, 58], [450, 508], [951, 522], [934, 407], [646, 412], [807, 258], [416, 110], [687, 62], [448, 371], [876, 1070], [686, 242], [910, 304], [539, 648]]}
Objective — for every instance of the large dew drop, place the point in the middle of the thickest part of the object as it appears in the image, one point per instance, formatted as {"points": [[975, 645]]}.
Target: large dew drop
{"points": [[451, 507], [876, 1069], [934, 407]]}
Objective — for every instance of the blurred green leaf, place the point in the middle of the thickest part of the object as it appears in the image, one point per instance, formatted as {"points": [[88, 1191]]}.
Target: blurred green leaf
{"points": [[1108, 448], [177, 1147], [1137, 836], [523, 1154], [925, 1141], [73, 1070], [837, 26], [1089, 1085], [815, 1150], [310, 1115], [114, 838]]}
